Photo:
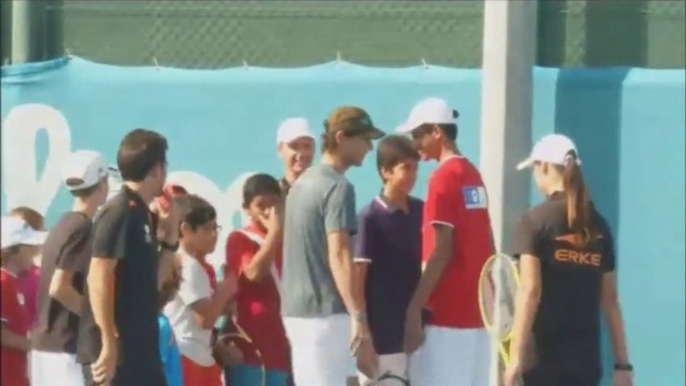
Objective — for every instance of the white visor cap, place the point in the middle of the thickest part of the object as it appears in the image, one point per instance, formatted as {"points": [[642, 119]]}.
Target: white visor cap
{"points": [[292, 129], [86, 168], [553, 148], [430, 110]]}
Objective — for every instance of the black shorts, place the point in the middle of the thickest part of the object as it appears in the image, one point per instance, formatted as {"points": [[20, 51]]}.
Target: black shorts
{"points": [[541, 376], [129, 376]]}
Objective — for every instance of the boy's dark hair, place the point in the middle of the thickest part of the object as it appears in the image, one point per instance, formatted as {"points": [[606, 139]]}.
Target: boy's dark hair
{"points": [[259, 184], [34, 219], [169, 288], [139, 152], [9, 252], [195, 210], [449, 129], [394, 149]]}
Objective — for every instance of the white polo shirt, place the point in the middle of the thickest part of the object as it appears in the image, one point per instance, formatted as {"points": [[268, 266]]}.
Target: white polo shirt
{"points": [[194, 342]]}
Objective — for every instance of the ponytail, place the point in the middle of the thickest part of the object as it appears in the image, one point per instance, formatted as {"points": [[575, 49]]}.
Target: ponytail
{"points": [[579, 206]]}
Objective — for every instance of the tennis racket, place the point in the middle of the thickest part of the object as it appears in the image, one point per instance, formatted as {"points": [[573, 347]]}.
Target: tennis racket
{"points": [[497, 290], [388, 379], [240, 335]]}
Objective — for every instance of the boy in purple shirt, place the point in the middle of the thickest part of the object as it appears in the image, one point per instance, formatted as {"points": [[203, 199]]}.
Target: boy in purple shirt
{"points": [[388, 252]]}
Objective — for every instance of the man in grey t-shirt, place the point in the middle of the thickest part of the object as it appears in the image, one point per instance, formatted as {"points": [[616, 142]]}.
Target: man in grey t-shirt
{"points": [[318, 288]]}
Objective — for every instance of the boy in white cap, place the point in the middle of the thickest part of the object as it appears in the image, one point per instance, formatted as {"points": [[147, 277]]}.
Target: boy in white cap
{"points": [[16, 255], [66, 254], [457, 241], [296, 146]]}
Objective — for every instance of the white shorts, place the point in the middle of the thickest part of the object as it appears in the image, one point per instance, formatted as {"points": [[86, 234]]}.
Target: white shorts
{"points": [[55, 369], [452, 357], [394, 363], [320, 350]]}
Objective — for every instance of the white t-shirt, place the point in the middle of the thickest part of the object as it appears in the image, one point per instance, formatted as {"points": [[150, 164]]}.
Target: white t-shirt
{"points": [[194, 342]]}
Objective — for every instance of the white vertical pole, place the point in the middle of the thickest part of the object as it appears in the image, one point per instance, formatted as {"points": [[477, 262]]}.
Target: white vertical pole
{"points": [[27, 30], [509, 50]]}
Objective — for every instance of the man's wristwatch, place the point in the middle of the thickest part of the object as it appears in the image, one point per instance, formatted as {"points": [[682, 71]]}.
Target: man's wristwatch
{"points": [[624, 367], [170, 247]]}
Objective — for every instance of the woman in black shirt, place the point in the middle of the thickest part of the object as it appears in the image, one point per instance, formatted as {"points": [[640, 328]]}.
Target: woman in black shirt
{"points": [[567, 272]]}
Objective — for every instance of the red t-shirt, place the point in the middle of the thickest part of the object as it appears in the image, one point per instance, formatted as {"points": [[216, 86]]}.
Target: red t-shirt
{"points": [[258, 304], [29, 281], [457, 198], [15, 319]]}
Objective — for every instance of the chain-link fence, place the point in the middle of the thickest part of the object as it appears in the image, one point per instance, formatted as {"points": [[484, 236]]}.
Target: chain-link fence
{"points": [[636, 33], [288, 33], [214, 34]]}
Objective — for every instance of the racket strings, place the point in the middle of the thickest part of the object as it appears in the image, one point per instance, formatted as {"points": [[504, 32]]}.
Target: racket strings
{"points": [[498, 286], [241, 334], [388, 379]]}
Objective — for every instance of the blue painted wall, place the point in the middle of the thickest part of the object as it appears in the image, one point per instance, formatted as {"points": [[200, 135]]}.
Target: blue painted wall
{"points": [[629, 126], [628, 123]]}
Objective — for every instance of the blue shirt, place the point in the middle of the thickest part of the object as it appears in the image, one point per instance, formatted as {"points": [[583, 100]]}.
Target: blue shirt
{"points": [[390, 241], [171, 359]]}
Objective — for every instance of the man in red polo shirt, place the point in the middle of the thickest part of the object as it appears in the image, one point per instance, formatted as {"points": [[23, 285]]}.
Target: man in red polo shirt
{"points": [[456, 242]]}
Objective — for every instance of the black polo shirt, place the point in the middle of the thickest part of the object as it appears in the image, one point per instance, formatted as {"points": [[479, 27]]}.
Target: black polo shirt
{"points": [[390, 241], [567, 324], [68, 247], [125, 230]]}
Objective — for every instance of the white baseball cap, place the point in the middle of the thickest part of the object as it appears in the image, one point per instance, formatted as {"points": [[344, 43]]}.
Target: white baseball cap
{"points": [[553, 148], [87, 167], [430, 110], [292, 129], [16, 231]]}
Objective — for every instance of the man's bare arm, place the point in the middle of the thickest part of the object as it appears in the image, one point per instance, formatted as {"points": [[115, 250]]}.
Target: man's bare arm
{"points": [[166, 267], [168, 233], [11, 340], [101, 295], [62, 290], [341, 263], [361, 270], [435, 266]]}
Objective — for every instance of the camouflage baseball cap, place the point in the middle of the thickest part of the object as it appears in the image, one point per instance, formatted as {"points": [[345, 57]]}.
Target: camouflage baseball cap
{"points": [[353, 121]]}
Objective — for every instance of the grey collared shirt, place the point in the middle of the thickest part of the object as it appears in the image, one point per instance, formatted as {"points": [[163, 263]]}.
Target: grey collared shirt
{"points": [[321, 201]]}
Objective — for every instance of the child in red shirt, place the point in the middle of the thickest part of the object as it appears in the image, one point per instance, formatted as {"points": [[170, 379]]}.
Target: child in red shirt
{"points": [[29, 279], [18, 241], [253, 253]]}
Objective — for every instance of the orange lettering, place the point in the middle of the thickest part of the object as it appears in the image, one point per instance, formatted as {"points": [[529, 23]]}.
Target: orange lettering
{"points": [[561, 255], [584, 258], [574, 257], [581, 258]]}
